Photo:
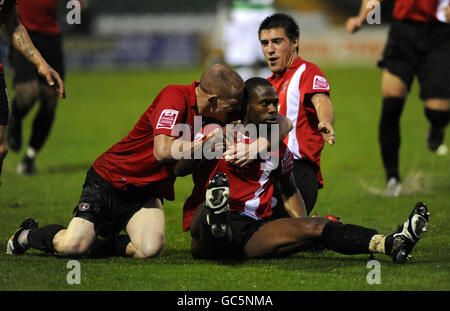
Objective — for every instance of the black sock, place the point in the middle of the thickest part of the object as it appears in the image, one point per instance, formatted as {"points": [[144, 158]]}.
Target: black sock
{"points": [[107, 247], [120, 246], [42, 238], [438, 118], [389, 134], [347, 239], [388, 243]]}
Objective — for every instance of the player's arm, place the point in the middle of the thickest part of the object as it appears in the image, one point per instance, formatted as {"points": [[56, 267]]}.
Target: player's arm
{"points": [[168, 148], [292, 199], [244, 156], [354, 23], [325, 115], [17, 35]]}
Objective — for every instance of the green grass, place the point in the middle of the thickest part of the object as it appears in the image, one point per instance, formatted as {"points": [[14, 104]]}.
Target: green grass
{"points": [[102, 107]]}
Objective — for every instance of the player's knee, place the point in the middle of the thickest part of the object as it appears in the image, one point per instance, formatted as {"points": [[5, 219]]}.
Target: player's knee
{"points": [[317, 224], [3, 151], [153, 248]]}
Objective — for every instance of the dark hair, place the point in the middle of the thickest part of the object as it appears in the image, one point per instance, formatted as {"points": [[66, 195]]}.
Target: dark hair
{"points": [[281, 20], [250, 86]]}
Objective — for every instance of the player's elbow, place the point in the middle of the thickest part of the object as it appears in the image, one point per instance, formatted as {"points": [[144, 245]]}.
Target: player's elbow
{"points": [[162, 154]]}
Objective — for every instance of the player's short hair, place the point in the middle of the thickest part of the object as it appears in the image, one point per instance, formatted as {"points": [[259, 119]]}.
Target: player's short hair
{"points": [[220, 79], [250, 86], [281, 20]]}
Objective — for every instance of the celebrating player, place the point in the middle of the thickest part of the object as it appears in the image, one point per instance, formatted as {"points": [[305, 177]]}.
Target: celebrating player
{"points": [[304, 98], [125, 187], [234, 221], [17, 35], [418, 45]]}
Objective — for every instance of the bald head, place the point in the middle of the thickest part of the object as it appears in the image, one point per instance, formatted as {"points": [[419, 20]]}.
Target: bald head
{"points": [[221, 80]]}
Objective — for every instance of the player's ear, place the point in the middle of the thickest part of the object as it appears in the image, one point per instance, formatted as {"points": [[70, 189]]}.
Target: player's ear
{"points": [[295, 44], [212, 100]]}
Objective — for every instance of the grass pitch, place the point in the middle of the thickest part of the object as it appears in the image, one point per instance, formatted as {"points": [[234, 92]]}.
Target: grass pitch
{"points": [[100, 110]]}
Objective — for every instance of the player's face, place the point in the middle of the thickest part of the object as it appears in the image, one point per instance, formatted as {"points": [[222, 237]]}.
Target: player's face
{"points": [[279, 51], [262, 105]]}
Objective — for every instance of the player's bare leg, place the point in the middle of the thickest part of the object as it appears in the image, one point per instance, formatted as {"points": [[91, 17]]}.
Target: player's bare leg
{"points": [[147, 230], [76, 239], [71, 242], [394, 92], [284, 236], [437, 112]]}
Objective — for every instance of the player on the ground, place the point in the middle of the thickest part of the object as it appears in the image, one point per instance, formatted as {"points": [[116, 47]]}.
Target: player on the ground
{"points": [[125, 187], [40, 20], [418, 46], [234, 221], [16, 34], [304, 98]]}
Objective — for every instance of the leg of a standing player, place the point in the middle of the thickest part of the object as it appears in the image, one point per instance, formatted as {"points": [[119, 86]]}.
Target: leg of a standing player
{"points": [[44, 118], [40, 130], [394, 92], [147, 231], [26, 94], [3, 146], [438, 113]]}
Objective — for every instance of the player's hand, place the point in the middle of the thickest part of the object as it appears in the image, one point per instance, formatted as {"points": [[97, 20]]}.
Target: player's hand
{"points": [[241, 154], [53, 79], [354, 23], [327, 131], [447, 13]]}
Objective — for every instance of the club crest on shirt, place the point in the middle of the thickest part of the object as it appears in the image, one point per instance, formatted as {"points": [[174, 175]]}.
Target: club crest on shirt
{"points": [[320, 83], [167, 119], [82, 207]]}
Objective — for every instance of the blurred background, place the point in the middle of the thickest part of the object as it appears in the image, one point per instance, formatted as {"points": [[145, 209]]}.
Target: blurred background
{"points": [[142, 34]]}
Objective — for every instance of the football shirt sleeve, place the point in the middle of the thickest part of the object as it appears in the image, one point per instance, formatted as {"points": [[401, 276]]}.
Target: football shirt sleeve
{"points": [[314, 81], [169, 114]]}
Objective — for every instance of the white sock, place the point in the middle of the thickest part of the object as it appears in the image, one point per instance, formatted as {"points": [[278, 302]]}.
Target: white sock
{"points": [[376, 244], [22, 239], [31, 153]]}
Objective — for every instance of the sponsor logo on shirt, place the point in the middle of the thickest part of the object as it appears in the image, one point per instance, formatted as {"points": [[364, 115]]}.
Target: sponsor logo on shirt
{"points": [[167, 119], [320, 83]]}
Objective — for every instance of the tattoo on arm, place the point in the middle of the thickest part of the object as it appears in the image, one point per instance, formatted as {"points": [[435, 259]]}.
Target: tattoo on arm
{"points": [[23, 42]]}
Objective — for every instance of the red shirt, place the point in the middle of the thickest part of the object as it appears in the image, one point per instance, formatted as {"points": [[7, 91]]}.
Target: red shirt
{"points": [[251, 188], [39, 15], [300, 79], [131, 160], [420, 10], [6, 4]]}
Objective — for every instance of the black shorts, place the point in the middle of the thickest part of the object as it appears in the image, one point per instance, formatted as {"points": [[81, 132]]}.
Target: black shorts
{"points": [[422, 50], [50, 47], [305, 175], [4, 110], [243, 228], [109, 208]]}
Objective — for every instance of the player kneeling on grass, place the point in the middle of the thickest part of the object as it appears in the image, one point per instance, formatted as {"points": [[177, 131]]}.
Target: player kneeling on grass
{"points": [[234, 221], [125, 187]]}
